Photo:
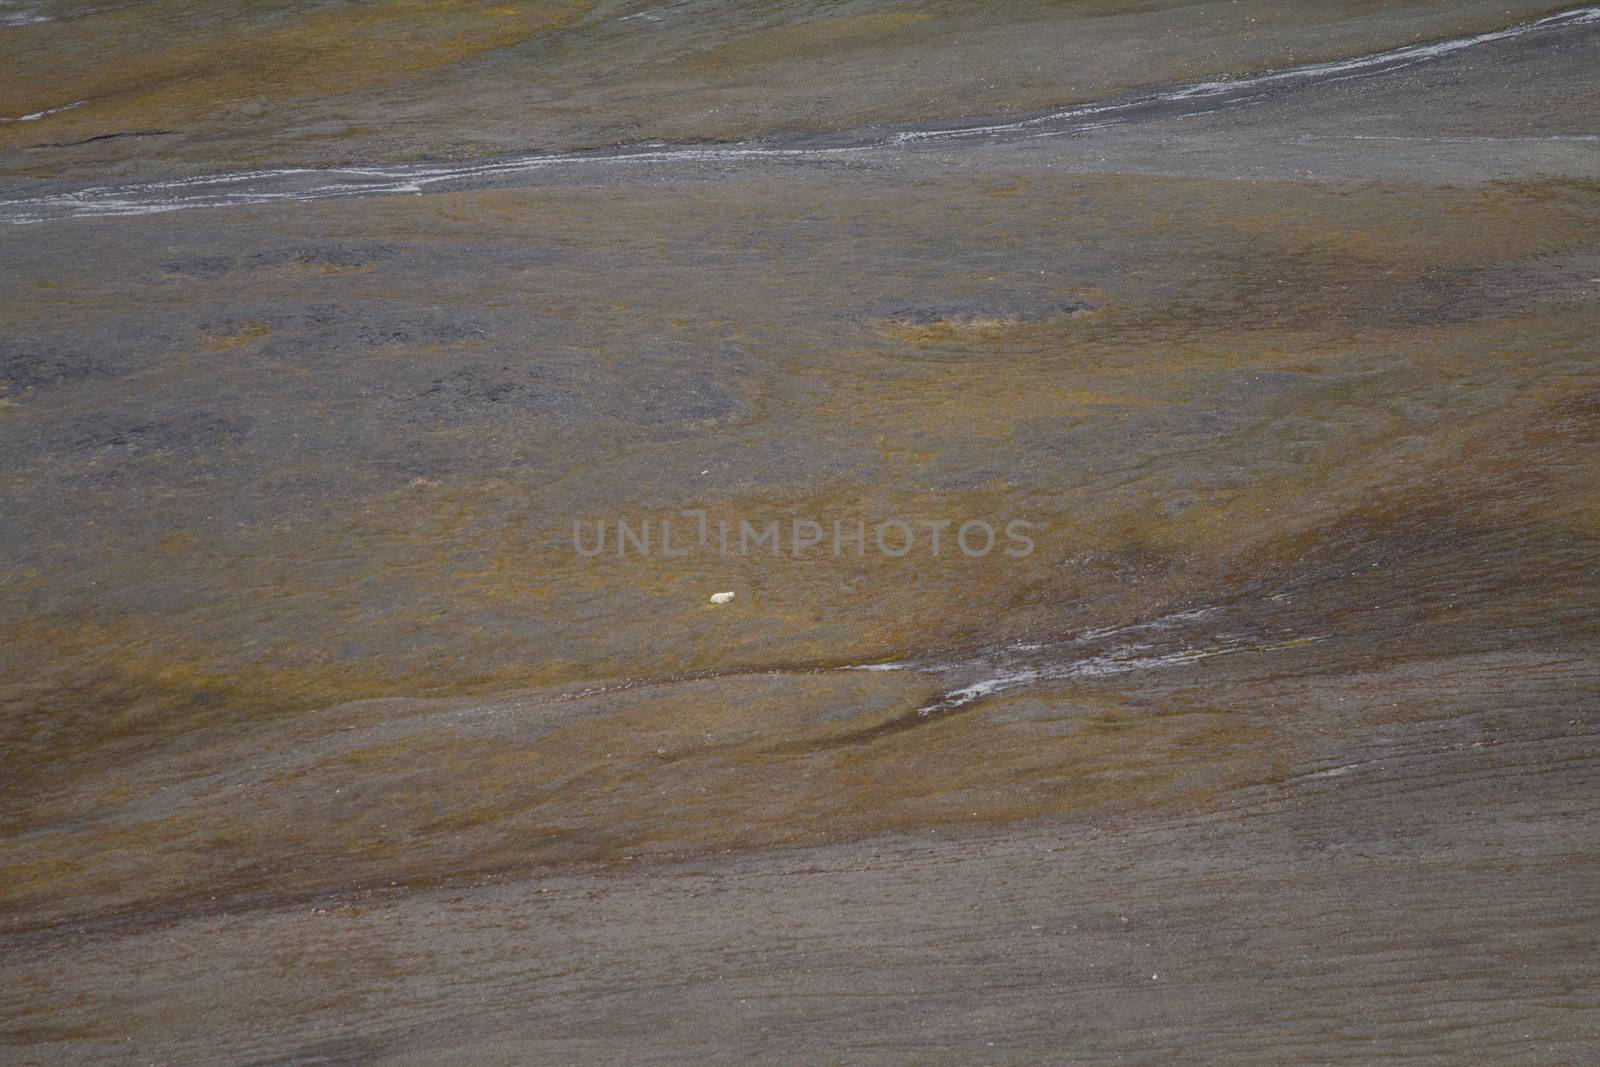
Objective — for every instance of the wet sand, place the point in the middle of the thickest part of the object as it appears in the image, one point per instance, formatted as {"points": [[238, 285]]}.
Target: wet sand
{"points": [[322, 743]]}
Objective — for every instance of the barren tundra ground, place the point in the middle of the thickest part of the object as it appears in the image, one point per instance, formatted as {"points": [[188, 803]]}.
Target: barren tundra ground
{"points": [[321, 741]]}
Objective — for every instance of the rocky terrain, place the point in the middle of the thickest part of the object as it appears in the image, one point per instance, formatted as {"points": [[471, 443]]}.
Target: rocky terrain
{"points": [[324, 740]]}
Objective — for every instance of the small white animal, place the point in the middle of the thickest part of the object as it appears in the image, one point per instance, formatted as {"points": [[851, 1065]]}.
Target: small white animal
{"points": [[721, 598]]}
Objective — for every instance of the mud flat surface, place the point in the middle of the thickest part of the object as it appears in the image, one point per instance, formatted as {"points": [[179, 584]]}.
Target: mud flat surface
{"points": [[324, 742]]}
